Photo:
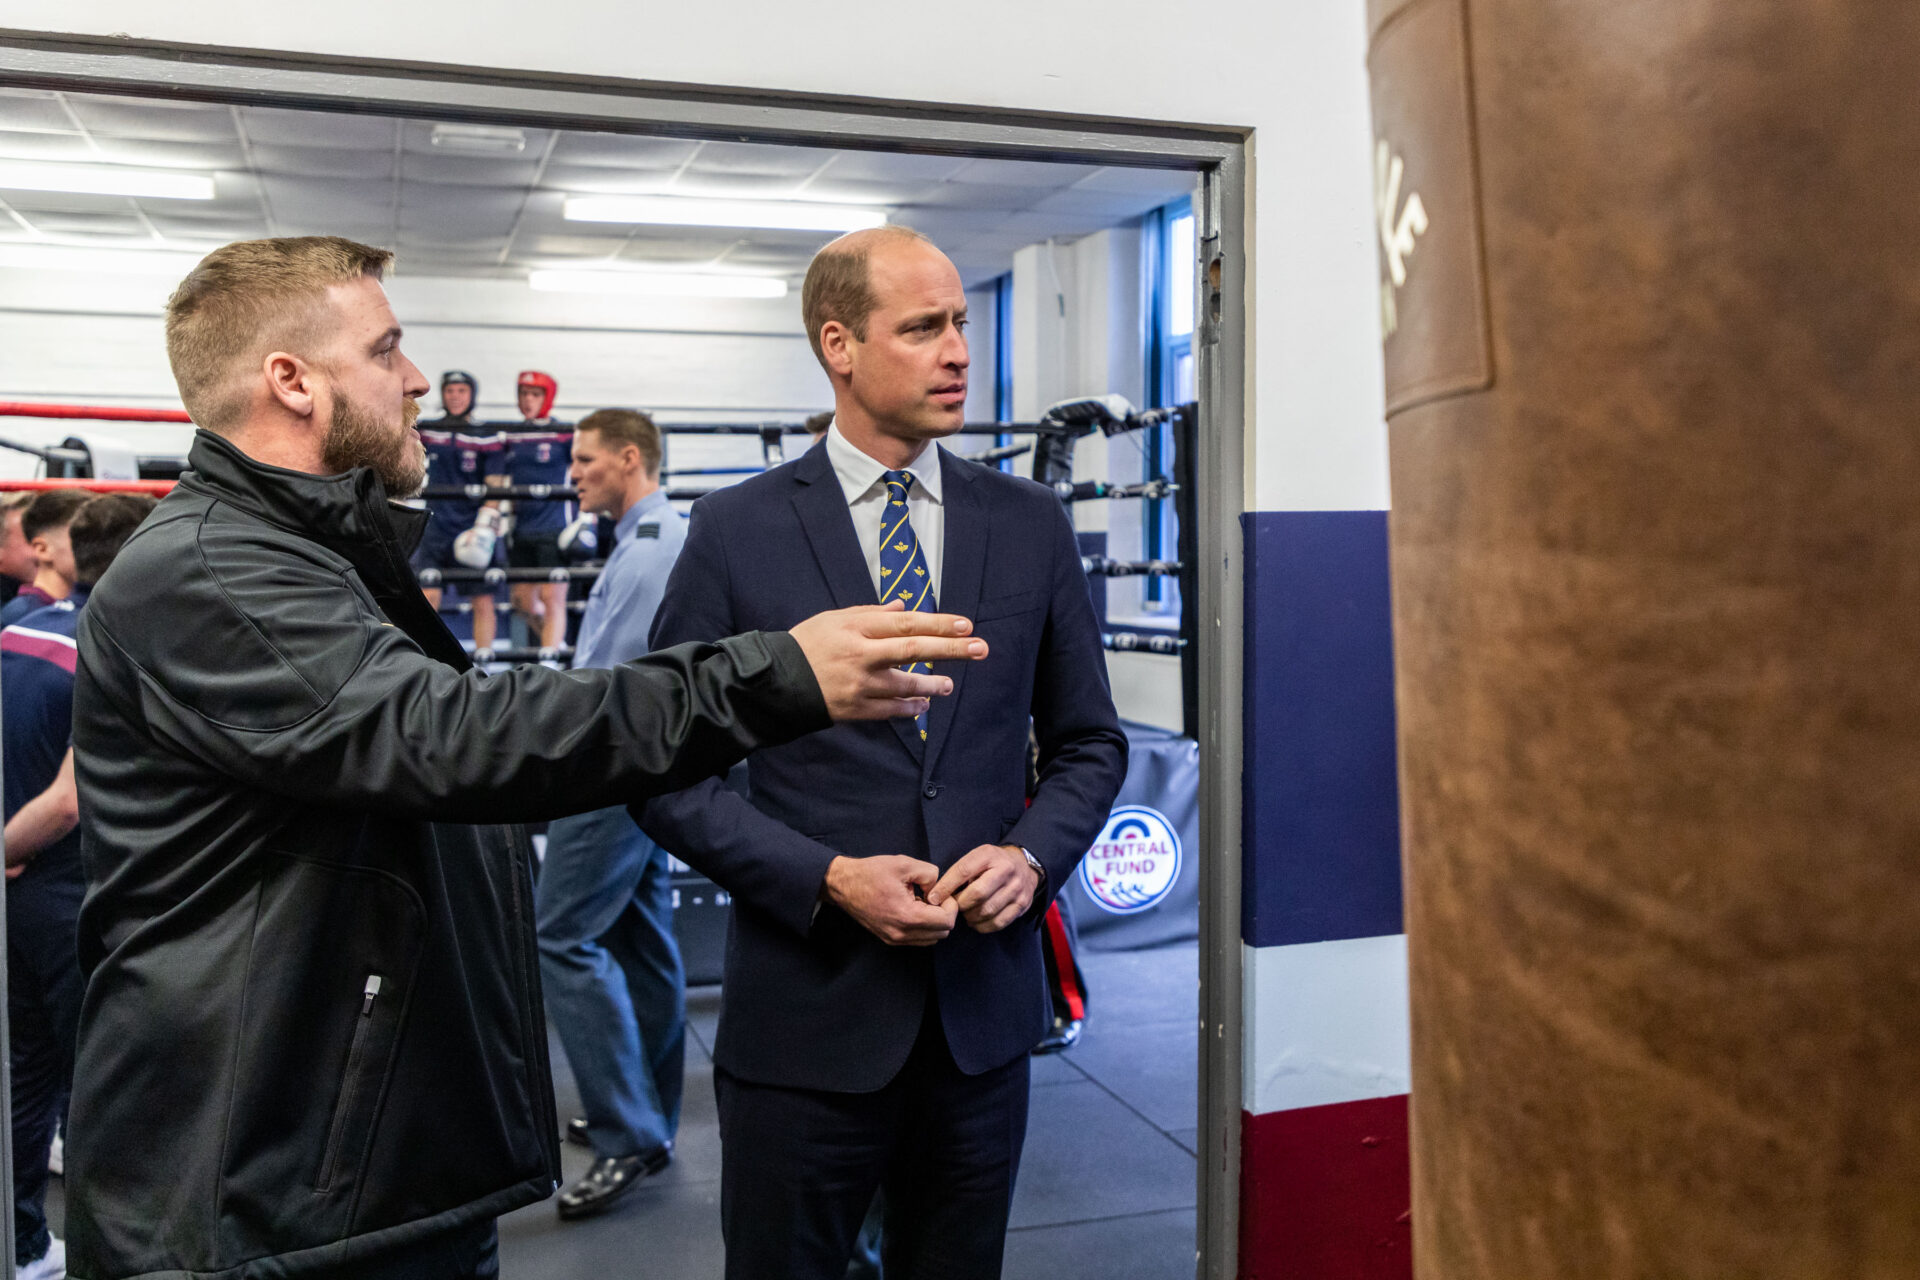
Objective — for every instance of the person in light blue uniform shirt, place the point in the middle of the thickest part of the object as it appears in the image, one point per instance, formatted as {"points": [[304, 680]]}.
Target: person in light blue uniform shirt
{"points": [[611, 968]]}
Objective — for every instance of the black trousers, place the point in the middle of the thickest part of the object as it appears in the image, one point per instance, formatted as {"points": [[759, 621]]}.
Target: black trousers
{"points": [[800, 1166], [44, 988]]}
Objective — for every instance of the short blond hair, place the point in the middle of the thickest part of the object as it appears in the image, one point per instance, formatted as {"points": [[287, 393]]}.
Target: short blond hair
{"points": [[839, 286], [246, 299], [622, 427]]}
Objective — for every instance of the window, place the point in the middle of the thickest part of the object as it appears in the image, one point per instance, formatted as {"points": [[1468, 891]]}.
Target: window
{"points": [[1172, 255]]}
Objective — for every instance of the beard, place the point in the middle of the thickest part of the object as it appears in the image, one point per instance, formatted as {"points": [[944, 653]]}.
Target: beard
{"points": [[356, 438]]}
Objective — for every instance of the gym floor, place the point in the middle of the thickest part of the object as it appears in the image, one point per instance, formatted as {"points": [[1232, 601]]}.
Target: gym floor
{"points": [[1106, 1185]]}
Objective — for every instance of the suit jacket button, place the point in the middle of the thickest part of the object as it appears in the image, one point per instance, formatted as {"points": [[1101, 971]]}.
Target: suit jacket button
{"points": [[931, 792]]}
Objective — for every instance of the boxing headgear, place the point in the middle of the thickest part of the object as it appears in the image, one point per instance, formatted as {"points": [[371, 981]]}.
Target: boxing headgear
{"points": [[452, 376], [545, 385]]}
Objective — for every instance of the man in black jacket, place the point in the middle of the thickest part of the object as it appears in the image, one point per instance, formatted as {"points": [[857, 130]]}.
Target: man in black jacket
{"points": [[313, 1042]]}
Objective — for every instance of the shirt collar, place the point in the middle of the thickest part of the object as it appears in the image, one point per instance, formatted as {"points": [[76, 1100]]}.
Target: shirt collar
{"points": [[638, 512], [859, 473]]}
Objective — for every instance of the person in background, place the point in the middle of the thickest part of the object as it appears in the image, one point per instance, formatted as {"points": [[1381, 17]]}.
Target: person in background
{"points": [[17, 565], [44, 986], [461, 530], [817, 425], [538, 452], [609, 963], [44, 525]]}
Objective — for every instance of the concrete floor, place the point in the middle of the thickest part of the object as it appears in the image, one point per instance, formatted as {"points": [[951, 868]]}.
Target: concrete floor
{"points": [[1106, 1186]]}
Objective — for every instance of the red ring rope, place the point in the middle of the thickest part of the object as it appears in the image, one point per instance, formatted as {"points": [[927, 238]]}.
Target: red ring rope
{"points": [[99, 412], [158, 488]]}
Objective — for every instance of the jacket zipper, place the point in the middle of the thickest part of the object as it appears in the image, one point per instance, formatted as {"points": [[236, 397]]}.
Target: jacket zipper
{"points": [[540, 1082], [350, 1086]]}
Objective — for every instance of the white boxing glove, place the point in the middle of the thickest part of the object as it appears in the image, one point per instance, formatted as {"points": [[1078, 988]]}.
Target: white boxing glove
{"points": [[581, 538], [474, 548]]}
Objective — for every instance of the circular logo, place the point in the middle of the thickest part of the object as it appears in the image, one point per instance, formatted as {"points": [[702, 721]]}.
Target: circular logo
{"points": [[1134, 863]]}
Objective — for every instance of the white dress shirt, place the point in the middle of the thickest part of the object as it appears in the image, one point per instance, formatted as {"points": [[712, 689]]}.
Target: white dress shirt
{"points": [[863, 481]]}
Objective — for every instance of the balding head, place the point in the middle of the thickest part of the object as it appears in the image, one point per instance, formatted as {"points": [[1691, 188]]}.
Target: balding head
{"points": [[839, 284]]}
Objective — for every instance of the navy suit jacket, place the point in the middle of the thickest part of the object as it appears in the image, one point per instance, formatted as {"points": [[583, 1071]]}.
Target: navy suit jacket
{"points": [[812, 999]]}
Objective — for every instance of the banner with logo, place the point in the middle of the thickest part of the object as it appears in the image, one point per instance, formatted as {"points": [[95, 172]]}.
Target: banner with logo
{"points": [[1139, 886]]}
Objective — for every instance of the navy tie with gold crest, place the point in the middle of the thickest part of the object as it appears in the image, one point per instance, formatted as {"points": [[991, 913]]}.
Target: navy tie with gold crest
{"points": [[903, 569]]}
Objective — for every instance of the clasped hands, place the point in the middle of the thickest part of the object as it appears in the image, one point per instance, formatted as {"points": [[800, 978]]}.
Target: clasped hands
{"points": [[905, 902], [856, 655]]}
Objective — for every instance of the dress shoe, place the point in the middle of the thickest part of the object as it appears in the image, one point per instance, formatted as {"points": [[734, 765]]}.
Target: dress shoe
{"points": [[607, 1180], [577, 1131], [1066, 1031]]}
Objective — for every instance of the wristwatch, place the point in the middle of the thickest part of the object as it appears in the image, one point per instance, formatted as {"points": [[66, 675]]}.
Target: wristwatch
{"points": [[1033, 862]]}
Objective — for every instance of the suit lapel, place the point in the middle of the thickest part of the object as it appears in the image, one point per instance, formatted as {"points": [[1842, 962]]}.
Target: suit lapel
{"points": [[824, 517], [828, 524], [963, 561]]}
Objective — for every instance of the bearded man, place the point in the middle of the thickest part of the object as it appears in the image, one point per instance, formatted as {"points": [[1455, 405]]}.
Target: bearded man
{"points": [[313, 1043]]}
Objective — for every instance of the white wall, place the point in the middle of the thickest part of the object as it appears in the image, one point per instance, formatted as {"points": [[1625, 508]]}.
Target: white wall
{"points": [[1291, 71]]}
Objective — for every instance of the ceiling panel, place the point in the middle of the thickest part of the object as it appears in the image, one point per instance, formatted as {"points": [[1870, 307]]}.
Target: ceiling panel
{"points": [[98, 222], [607, 180], [459, 220], [269, 126], [961, 195], [1108, 206], [471, 171], [33, 109], [753, 157], [45, 146], [882, 166], [567, 246], [1170, 184], [155, 118], [153, 154], [325, 162], [327, 195], [621, 150], [305, 224], [870, 191], [208, 231], [1017, 173], [67, 202], [678, 252]]}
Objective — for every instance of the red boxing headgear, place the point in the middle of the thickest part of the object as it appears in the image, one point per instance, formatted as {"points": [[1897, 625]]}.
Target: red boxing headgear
{"points": [[545, 385]]}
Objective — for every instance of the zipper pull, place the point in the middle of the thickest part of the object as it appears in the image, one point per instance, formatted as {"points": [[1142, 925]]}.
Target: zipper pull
{"points": [[373, 989]]}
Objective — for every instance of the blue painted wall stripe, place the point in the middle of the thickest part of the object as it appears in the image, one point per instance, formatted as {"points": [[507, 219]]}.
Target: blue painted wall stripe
{"points": [[1321, 803]]}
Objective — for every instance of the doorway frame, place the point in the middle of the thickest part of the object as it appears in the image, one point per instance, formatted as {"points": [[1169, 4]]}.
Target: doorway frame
{"points": [[155, 69]]}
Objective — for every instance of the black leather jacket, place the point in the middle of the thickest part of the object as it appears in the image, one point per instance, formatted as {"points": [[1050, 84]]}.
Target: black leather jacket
{"points": [[313, 1025]]}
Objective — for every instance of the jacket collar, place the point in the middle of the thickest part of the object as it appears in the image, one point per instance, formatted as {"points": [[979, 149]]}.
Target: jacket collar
{"points": [[347, 513]]}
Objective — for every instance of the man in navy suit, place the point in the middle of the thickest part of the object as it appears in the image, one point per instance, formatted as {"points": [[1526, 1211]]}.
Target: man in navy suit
{"points": [[884, 981]]}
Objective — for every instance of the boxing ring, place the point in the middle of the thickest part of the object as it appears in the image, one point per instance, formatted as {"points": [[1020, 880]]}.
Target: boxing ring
{"points": [[1145, 891]]}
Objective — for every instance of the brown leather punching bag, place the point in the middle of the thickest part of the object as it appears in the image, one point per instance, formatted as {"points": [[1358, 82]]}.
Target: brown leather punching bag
{"points": [[1650, 289]]}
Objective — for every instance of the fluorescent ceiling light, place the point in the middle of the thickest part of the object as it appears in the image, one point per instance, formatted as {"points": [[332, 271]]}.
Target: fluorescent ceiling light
{"points": [[136, 262], [104, 180], [492, 139], [657, 283], [689, 211]]}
